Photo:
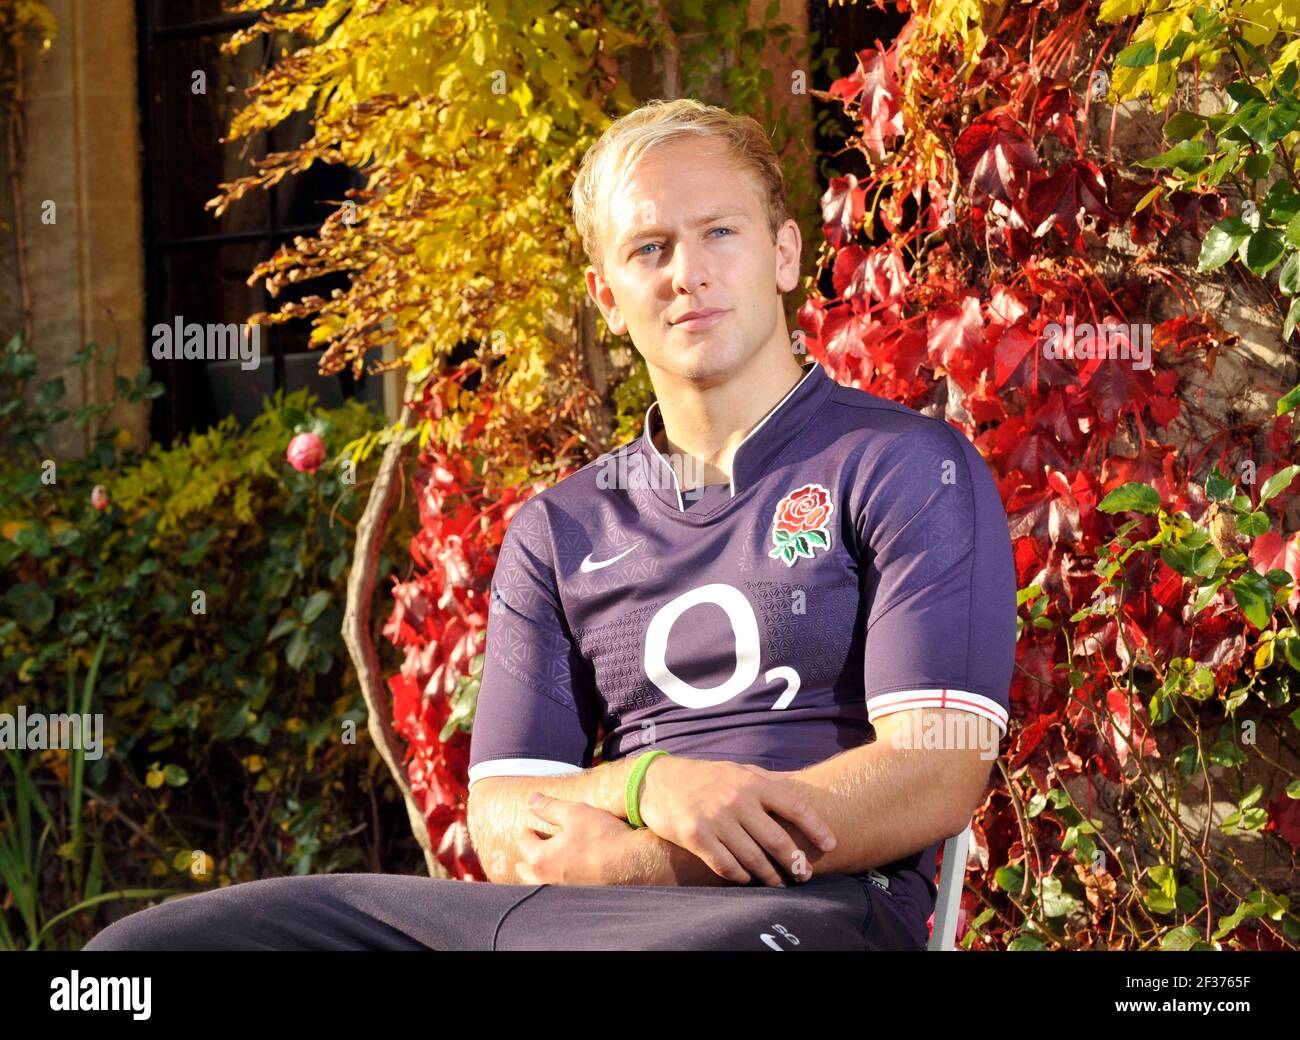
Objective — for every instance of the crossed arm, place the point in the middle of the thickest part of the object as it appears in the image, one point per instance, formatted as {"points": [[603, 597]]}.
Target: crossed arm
{"points": [[881, 801]]}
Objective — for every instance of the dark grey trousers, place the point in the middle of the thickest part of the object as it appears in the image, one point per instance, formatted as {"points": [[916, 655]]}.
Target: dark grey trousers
{"points": [[397, 912]]}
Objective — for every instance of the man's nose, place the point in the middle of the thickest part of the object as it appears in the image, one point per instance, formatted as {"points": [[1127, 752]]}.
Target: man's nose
{"points": [[689, 267]]}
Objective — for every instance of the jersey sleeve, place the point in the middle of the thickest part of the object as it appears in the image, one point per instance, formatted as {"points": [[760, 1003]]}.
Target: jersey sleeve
{"points": [[939, 578], [537, 708]]}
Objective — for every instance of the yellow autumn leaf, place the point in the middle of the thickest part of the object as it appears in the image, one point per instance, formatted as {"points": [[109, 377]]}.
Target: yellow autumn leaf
{"points": [[1114, 10], [1264, 655]]}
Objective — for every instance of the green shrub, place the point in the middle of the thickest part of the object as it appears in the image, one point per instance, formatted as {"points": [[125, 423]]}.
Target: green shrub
{"points": [[234, 732]]}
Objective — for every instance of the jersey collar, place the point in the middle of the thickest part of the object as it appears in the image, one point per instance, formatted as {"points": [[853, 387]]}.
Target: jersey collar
{"points": [[760, 448]]}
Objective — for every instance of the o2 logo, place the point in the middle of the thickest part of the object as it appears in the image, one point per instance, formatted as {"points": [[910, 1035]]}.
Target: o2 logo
{"points": [[744, 631]]}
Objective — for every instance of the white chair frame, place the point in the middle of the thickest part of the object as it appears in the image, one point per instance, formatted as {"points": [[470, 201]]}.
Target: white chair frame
{"points": [[952, 880]]}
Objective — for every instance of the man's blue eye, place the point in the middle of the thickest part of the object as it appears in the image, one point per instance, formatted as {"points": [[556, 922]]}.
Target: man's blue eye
{"points": [[640, 250]]}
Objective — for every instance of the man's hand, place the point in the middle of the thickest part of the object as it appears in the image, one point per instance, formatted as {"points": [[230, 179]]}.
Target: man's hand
{"points": [[719, 811], [584, 852]]}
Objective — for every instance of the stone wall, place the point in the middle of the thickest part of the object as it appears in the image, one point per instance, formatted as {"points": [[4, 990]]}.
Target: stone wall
{"points": [[80, 180]]}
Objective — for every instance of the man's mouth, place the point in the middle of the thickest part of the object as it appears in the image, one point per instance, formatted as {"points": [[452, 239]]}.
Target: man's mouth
{"points": [[696, 321]]}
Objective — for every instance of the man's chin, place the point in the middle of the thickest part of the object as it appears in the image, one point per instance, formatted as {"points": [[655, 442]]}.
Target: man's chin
{"points": [[703, 361]]}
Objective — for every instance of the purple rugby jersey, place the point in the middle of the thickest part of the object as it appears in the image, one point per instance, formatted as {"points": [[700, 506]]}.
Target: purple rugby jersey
{"points": [[859, 563]]}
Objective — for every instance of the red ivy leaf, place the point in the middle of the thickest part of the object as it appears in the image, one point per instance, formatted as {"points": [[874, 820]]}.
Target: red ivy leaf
{"points": [[954, 335], [1196, 208], [1271, 552], [902, 353], [1284, 817], [1009, 354], [1113, 384], [882, 119], [1152, 222], [1076, 190], [1022, 365], [1006, 306], [1055, 113], [996, 157], [848, 261], [843, 206]]}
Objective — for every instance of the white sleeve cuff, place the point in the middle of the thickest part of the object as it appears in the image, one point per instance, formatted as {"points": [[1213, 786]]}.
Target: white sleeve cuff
{"points": [[959, 700], [521, 767]]}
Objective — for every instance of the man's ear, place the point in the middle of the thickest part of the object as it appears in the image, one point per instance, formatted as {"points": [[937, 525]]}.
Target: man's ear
{"points": [[789, 249], [598, 289]]}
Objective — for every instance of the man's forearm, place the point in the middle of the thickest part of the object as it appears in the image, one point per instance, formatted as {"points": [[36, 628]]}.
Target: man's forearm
{"points": [[498, 812], [883, 803], [656, 861]]}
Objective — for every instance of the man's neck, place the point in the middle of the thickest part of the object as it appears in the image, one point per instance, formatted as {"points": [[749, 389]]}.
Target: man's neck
{"points": [[708, 425]]}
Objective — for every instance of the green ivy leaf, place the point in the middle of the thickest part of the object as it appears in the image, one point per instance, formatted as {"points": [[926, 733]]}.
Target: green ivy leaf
{"points": [[1205, 594], [1184, 937], [1142, 498], [1258, 164], [1056, 902], [1157, 902], [1263, 250], [1137, 55], [1271, 123], [1221, 242], [1253, 525], [1010, 879], [1189, 156], [1278, 482], [1288, 326], [1217, 486], [1288, 280], [1184, 126], [1254, 596]]}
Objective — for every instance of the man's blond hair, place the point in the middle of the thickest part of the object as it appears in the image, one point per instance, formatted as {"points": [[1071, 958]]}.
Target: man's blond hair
{"points": [[611, 160]]}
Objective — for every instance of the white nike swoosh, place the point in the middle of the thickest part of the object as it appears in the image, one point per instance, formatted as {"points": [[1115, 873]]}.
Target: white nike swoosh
{"points": [[771, 941], [588, 565]]}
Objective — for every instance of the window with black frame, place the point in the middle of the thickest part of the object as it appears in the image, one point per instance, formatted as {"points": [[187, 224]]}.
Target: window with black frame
{"points": [[197, 265]]}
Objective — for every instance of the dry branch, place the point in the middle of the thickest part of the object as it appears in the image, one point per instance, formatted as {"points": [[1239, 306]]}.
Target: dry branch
{"points": [[361, 648]]}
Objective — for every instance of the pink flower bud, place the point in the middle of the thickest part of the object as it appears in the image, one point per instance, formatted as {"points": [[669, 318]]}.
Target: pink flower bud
{"points": [[99, 497], [961, 923], [306, 452]]}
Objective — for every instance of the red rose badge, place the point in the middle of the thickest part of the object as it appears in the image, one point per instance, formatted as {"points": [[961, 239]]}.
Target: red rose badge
{"points": [[801, 523]]}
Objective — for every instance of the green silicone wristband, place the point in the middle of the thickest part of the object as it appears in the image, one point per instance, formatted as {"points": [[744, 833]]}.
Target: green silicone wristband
{"points": [[633, 793]]}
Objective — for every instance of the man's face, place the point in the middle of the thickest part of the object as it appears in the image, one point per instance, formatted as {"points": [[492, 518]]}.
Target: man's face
{"points": [[689, 233]]}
